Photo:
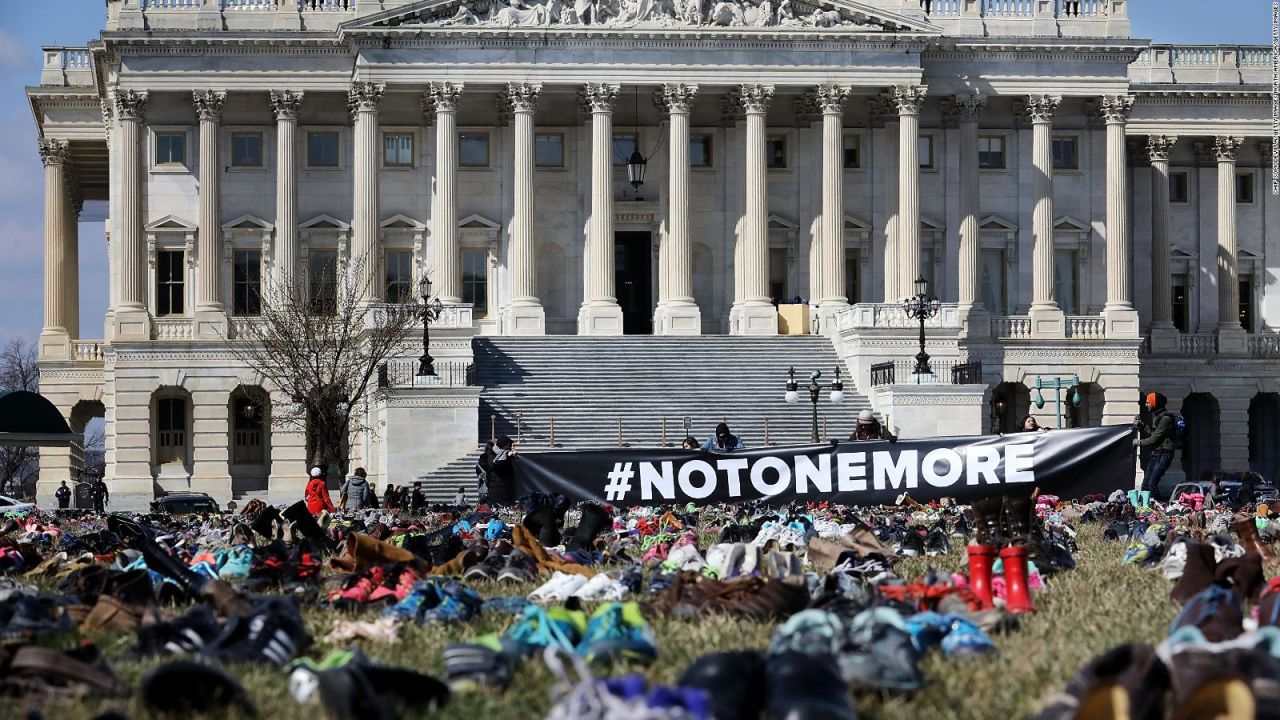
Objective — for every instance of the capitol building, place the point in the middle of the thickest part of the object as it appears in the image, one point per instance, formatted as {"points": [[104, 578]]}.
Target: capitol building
{"points": [[666, 183]]}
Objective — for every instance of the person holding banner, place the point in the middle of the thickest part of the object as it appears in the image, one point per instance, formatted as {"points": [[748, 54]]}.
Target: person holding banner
{"points": [[1159, 437], [501, 476], [869, 428], [723, 440]]}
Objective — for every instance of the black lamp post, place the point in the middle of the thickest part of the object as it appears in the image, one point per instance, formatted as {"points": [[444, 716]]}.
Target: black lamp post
{"points": [[429, 310], [922, 306], [815, 388]]}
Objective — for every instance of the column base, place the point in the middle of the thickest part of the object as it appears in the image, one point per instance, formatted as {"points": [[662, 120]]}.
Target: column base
{"points": [[677, 318], [1121, 323], [132, 325], [1165, 339], [524, 319], [54, 344], [975, 322], [757, 319], [601, 319], [210, 325], [827, 317], [1048, 323], [173, 477], [1233, 340]]}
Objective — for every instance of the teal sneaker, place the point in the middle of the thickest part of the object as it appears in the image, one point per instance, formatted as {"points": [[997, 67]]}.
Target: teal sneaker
{"points": [[236, 564], [458, 603], [618, 631], [539, 628]]}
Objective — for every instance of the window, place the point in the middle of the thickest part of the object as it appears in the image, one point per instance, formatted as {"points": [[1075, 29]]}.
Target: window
{"points": [[322, 149], [1178, 187], [925, 144], [927, 266], [247, 441], [991, 152], [1066, 281], [623, 145], [548, 150], [1244, 187], [322, 281], [1066, 153], [991, 282], [171, 268], [1246, 303], [775, 150], [473, 149], [397, 150], [475, 280], [399, 280], [852, 265], [246, 149], [246, 282], [778, 274], [1181, 303], [700, 151], [852, 152], [171, 148], [171, 430]]}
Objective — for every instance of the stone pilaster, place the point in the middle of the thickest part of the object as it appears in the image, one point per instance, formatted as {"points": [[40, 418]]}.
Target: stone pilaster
{"points": [[677, 312], [525, 315], [1120, 317], [54, 337], [967, 109], [756, 315], [71, 238], [287, 274], [600, 313], [442, 101], [1047, 319], [908, 98], [831, 298], [133, 321], [884, 113], [210, 313], [1232, 339], [1164, 336], [363, 100]]}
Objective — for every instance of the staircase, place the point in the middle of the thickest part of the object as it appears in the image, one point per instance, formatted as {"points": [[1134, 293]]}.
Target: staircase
{"points": [[585, 385]]}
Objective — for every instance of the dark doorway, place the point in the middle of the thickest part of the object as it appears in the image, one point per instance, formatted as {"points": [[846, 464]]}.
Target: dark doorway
{"points": [[1264, 452], [633, 260], [1201, 451]]}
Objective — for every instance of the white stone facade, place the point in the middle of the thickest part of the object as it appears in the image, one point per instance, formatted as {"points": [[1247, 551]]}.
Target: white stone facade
{"points": [[1006, 151]]}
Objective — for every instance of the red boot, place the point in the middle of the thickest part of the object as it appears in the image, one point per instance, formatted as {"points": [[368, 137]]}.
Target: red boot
{"points": [[1017, 596], [981, 558]]}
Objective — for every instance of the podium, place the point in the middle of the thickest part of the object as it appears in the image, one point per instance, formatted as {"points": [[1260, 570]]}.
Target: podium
{"points": [[793, 319]]}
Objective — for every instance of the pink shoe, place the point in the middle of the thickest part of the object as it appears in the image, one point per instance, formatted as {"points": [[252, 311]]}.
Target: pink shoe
{"points": [[657, 553]]}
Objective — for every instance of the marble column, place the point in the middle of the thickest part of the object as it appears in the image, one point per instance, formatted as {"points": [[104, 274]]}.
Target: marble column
{"points": [[133, 321], [677, 312], [973, 314], [442, 100], [831, 297], [210, 313], [71, 240], [1232, 339], [366, 256], [1164, 336], [600, 313], [287, 276], [884, 113], [756, 314], [54, 338], [525, 315], [1120, 317], [1047, 320], [909, 99]]}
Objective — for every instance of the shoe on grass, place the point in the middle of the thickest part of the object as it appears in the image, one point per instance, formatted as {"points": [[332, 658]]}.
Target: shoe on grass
{"points": [[185, 688], [539, 628], [470, 666], [878, 653], [799, 685], [1127, 681], [617, 631], [816, 632], [733, 681], [458, 603], [1215, 612]]}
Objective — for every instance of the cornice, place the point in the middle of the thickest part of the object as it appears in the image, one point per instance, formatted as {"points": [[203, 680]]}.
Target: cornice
{"points": [[736, 39], [1216, 94]]}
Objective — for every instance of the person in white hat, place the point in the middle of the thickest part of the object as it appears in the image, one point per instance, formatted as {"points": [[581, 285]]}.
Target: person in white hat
{"points": [[317, 493], [869, 428]]}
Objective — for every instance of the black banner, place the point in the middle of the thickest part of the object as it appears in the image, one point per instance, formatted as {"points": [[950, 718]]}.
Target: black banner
{"points": [[1067, 463]]}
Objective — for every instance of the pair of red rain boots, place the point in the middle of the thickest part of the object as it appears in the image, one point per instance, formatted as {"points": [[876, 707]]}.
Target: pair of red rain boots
{"points": [[1002, 527]]}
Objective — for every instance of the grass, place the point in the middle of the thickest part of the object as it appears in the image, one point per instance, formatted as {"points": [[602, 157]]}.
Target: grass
{"points": [[1084, 612]]}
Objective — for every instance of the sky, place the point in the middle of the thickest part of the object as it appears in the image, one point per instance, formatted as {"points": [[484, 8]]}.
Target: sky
{"points": [[27, 25]]}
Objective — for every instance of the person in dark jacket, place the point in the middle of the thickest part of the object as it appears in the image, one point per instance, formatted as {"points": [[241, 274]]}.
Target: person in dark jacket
{"points": [[101, 496], [723, 440], [389, 497], [356, 491], [502, 478], [869, 428], [484, 464], [63, 495], [1029, 424], [1158, 437]]}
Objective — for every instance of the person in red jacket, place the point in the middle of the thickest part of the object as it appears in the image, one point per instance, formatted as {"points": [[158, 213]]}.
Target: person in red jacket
{"points": [[317, 493]]}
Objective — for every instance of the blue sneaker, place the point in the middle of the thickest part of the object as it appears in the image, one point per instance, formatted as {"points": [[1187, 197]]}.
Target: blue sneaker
{"points": [[236, 564], [513, 605], [424, 596], [458, 603], [927, 630], [618, 631], [965, 639], [495, 529], [539, 628]]}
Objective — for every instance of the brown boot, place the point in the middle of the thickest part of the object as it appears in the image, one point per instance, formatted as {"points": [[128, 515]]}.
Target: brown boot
{"points": [[1016, 520], [824, 553], [1247, 530], [1198, 573], [361, 551], [986, 521], [1215, 684]]}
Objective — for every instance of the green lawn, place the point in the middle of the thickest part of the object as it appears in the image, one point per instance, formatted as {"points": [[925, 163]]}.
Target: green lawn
{"points": [[1100, 604]]}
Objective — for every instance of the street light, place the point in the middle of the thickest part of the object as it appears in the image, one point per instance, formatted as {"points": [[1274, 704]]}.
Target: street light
{"points": [[636, 164], [921, 306], [815, 388], [429, 310], [1057, 385]]}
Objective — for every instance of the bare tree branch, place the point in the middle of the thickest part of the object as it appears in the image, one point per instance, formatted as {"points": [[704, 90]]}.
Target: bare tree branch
{"points": [[18, 372]]}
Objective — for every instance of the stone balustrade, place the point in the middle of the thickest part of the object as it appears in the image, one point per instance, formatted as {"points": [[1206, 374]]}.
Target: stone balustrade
{"points": [[1231, 64], [891, 316], [66, 66], [172, 329], [1086, 327], [234, 15], [1265, 346], [1054, 18], [1198, 344], [87, 350], [1011, 327]]}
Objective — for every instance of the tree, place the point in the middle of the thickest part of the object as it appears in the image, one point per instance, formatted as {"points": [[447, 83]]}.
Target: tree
{"points": [[18, 371], [320, 345]]}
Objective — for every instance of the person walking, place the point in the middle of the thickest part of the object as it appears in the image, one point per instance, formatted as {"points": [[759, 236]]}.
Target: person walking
{"points": [[317, 493], [417, 500], [460, 499], [63, 496], [1159, 437], [483, 465], [389, 497], [502, 475], [101, 496], [356, 492], [723, 440], [868, 427]]}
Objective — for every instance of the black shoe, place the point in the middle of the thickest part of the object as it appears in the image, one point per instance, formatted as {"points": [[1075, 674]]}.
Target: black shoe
{"points": [[595, 520], [805, 687], [911, 544], [364, 691], [273, 631], [187, 634], [937, 542], [734, 683], [184, 688]]}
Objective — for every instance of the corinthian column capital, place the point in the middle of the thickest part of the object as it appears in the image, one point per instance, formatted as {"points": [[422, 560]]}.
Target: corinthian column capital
{"points": [[1225, 146], [365, 97], [131, 104], [1116, 108], [965, 108], [441, 97], [1159, 147], [599, 97], [676, 97], [754, 98], [830, 98], [54, 152], [285, 104], [522, 97], [1041, 108], [909, 98], [209, 104]]}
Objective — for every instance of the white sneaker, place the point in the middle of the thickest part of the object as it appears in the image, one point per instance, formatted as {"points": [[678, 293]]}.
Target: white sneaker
{"points": [[594, 587], [546, 590], [716, 556], [566, 589]]}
